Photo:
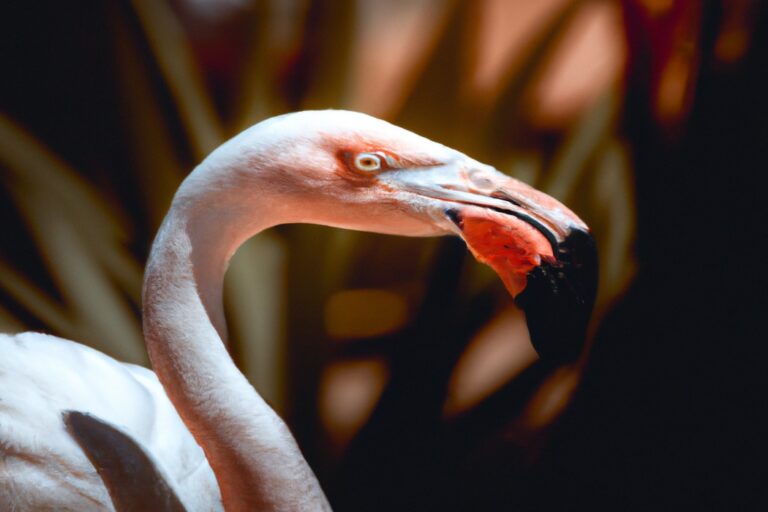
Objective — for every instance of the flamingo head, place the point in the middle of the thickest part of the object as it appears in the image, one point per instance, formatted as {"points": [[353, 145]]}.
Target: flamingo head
{"points": [[354, 171]]}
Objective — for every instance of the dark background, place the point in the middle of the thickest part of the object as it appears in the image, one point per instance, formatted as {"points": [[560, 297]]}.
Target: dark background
{"points": [[671, 411]]}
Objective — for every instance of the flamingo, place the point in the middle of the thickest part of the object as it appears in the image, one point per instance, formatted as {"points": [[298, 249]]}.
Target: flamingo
{"points": [[81, 431]]}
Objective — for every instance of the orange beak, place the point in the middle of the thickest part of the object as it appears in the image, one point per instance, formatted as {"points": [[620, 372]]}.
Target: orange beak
{"points": [[542, 251], [544, 255], [510, 247]]}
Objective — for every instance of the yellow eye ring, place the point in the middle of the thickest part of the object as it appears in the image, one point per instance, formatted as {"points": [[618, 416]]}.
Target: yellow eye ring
{"points": [[367, 162]]}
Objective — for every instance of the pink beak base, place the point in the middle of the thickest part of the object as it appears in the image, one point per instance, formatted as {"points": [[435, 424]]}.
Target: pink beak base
{"points": [[509, 245]]}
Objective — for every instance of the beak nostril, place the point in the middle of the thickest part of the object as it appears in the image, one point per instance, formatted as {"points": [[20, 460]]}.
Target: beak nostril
{"points": [[479, 178]]}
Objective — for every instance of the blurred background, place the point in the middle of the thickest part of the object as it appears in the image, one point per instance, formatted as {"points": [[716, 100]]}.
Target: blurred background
{"points": [[400, 364]]}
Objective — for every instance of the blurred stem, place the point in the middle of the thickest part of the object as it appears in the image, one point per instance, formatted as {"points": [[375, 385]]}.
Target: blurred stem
{"points": [[177, 64]]}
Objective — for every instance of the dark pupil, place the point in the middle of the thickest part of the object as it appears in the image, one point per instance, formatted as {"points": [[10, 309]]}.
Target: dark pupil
{"points": [[368, 162]]}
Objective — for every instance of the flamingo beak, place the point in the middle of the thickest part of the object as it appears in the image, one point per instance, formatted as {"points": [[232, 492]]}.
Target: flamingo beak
{"points": [[543, 252]]}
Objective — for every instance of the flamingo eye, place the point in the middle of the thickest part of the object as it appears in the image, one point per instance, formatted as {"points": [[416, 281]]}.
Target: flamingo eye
{"points": [[367, 162]]}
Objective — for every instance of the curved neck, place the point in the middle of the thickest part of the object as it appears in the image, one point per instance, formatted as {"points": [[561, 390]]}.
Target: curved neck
{"points": [[253, 454]]}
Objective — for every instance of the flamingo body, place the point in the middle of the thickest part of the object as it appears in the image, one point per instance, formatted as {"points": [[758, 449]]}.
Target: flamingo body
{"points": [[42, 467]]}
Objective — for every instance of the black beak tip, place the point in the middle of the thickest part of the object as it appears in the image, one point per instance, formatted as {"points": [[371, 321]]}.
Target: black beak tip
{"points": [[559, 297]]}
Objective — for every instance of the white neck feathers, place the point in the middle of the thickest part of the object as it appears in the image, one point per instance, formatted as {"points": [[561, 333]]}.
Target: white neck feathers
{"points": [[253, 454]]}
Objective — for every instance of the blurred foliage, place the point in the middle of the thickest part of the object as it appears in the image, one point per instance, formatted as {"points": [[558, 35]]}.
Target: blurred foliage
{"points": [[181, 77]]}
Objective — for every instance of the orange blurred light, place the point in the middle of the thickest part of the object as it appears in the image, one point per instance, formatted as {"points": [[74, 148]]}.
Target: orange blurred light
{"points": [[738, 24], [672, 92], [392, 42], [656, 7], [506, 32], [348, 392], [588, 60], [731, 45], [364, 313], [499, 352], [551, 399]]}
